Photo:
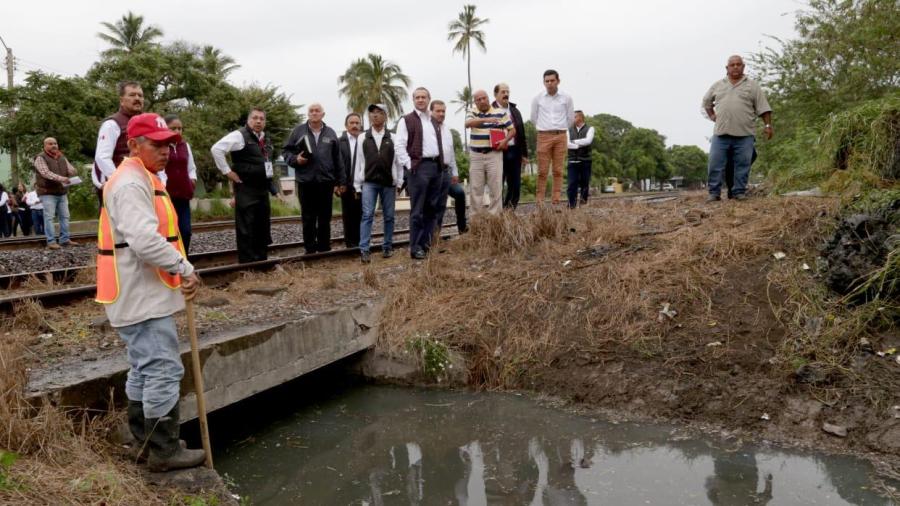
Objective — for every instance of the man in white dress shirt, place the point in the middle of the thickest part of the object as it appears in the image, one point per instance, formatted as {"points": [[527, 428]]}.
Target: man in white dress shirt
{"points": [[581, 136], [451, 186], [552, 113], [251, 158], [420, 153], [112, 139]]}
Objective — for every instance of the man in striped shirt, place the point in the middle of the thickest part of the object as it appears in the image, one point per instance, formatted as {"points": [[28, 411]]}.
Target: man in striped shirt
{"points": [[486, 161]]}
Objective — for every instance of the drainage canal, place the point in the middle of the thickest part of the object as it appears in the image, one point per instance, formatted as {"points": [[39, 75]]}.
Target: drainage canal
{"points": [[324, 440]]}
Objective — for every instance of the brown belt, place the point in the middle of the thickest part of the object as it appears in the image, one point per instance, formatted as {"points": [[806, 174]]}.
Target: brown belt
{"points": [[554, 132]]}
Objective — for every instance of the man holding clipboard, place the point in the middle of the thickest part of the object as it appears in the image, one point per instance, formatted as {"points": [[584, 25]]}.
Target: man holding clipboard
{"points": [[491, 129]]}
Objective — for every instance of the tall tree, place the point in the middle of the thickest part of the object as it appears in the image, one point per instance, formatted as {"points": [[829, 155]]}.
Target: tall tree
{"points": [[463, 31], [373, 80], [217, 63], [128, 34]]}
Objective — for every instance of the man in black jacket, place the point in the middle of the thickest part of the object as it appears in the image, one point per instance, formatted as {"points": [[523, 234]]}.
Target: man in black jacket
{"points": [[517, 153], [351, 204], [314, 152], [250, 174]]}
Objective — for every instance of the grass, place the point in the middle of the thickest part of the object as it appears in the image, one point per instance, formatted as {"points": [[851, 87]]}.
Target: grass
{"points": [[856, 150], [58, 456], [536, 285]]}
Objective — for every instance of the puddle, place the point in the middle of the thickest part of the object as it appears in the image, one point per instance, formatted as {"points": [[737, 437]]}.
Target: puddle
{"points": [[378, 445]]}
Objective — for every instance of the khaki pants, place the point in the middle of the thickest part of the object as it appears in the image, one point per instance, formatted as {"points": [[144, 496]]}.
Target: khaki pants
{"points": [[551, 147], [486, 168]]}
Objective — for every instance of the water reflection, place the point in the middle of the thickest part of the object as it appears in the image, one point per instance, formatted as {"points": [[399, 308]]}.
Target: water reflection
{"points": [[393, 446]]}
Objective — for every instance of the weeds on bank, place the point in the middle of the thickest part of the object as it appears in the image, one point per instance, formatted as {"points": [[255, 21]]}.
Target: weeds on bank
{"points": [[551, 285], [62, 458], [856, 150]]}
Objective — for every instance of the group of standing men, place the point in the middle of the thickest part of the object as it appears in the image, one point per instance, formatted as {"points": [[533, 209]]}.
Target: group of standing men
{"points": [[144, 175]]}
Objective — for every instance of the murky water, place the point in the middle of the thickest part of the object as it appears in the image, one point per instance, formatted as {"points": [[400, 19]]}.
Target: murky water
{"points": [[371, 445]]}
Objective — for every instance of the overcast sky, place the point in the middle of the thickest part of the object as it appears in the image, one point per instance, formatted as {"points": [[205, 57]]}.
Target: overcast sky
{"points": [[647, 61]]}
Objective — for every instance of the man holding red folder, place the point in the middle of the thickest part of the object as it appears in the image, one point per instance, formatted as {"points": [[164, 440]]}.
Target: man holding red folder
{"points": [[490, 132]]}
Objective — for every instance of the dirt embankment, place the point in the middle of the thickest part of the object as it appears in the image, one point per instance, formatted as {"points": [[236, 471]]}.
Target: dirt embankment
{"points": [[670, 309]]}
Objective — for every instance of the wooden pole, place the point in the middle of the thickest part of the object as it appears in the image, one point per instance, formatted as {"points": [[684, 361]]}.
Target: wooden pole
{"points": [[198, 382]]}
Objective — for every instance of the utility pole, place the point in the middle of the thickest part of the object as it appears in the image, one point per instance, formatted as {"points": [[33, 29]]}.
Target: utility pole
{"points": [[13, 150]]}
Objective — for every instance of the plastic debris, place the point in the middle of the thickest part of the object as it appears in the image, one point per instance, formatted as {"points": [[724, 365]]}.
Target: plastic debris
{"points": [[835, 430], [566, 263], [779, 255], [765, 416], [714, 344], [667, 312], [45, 336], [887, 352], [805, 266]]}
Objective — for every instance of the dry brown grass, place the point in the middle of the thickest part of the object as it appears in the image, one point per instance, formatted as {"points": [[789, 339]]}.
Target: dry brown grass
{"points": [[533, 287], [63, 457]]}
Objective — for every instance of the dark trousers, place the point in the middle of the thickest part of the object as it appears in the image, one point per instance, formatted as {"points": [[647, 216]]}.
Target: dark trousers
{"points": [[458, 194], [19, 221], [424, 186], [512, 175], [351, 216], [579, 181], [315, 209], [252, 223], [4, 222], [183, 210], [444, 191], [37, 218]]}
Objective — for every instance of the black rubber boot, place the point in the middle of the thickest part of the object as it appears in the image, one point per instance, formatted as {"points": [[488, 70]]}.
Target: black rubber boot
{"points": [[166, 453]]}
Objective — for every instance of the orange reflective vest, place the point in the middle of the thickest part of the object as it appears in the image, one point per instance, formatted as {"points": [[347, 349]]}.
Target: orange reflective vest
{"points": [[107, 272]]}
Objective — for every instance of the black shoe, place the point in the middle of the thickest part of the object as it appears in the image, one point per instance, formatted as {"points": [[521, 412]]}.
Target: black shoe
{"points": [[365, 257], [418, 255], [387, 253], [325, 249], [713, 198], [166, 453]]}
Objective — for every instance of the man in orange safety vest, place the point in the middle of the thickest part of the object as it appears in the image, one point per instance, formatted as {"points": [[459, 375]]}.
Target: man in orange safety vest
{"points": [[143, 279]]}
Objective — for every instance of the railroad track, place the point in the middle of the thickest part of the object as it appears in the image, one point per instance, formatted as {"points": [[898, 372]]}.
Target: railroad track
{"points": [[50, 298], [31, 241], [11, 243]]}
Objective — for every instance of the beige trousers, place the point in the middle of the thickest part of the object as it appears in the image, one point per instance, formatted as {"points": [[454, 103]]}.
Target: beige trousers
{"points": [[551, 147], [486, 169]]}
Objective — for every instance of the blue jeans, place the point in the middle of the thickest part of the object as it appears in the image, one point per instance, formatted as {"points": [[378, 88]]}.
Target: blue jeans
{"points": [[56, 205], [37, 217], [156, 368], [371, 192], [728, 147]]}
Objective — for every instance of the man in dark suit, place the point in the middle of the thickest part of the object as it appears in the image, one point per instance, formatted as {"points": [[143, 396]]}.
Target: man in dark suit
{"points": [[312, 150], [517, 152], [351, 204]]}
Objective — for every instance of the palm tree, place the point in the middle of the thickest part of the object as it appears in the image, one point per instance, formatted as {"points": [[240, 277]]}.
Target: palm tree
{"points": [[463, 99], [216, 63], [373, 80], [463, 31], [129, 34]]}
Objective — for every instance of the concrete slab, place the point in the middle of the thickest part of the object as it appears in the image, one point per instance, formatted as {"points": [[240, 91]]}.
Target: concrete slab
{"points": [[236, 363]]}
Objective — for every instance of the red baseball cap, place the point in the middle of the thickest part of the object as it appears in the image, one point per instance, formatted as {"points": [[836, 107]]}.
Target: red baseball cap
{"points": [[151, 126]]}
